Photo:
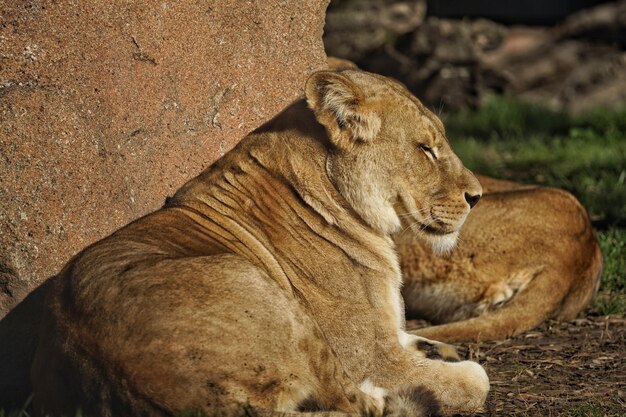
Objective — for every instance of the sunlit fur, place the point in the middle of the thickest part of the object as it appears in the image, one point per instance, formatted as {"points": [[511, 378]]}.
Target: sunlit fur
{"points": [[271, 280]]}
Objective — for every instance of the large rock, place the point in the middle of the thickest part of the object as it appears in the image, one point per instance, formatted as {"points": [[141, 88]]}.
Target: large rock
{"points": [[108, 107]]}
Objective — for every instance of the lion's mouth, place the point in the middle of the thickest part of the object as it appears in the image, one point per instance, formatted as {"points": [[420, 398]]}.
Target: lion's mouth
{"points": [[434, 230]]}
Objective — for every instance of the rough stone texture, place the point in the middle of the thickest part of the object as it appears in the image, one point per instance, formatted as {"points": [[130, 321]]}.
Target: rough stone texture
{"points": [[107, 107]]}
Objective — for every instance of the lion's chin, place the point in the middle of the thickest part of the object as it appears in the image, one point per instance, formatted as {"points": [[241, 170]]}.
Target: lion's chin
{"points": [[442, 244]]}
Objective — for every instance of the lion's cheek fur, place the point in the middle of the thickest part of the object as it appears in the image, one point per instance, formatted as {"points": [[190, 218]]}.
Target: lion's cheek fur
{"points": [[367, 193]]}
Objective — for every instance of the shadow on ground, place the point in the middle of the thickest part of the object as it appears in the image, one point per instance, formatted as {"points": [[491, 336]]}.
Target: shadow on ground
{"points": [[18, 340]]}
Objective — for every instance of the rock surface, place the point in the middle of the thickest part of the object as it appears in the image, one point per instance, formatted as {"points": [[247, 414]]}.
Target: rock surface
{"points": [[108, 107]]}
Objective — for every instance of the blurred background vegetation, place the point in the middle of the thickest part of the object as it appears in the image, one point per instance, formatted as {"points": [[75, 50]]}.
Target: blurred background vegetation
{"points": [[533, 92]]}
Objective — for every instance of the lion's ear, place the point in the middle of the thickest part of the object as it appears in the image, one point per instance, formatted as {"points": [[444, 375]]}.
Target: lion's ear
{"points": [[340, 105]]}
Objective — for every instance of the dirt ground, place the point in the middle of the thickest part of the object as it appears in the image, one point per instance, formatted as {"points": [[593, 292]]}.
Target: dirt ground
{"points": [[560, 369]]}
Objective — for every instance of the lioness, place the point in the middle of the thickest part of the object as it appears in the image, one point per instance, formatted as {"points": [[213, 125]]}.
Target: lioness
{"points": [[527, 253], [271, 280]]}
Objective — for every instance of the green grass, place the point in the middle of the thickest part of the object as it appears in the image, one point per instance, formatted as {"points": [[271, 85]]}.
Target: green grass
{"points": [[584, 154], [506, 118]]}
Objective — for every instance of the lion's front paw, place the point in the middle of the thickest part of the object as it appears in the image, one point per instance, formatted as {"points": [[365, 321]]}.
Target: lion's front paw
{"points": [[413, 402], [468, 387], [451, 388]]}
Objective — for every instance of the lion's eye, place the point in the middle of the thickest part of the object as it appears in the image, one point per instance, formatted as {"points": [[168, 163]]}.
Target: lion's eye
{"points": [[429, 152]]}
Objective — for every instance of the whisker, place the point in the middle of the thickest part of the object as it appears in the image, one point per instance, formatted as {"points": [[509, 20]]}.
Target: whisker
{"points": [[422, 226], [446, 218], [411, 213], [425, 225], [407, 228], [457, 206]]}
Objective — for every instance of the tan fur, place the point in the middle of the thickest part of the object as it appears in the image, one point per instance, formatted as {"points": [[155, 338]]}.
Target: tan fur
{"points": [[526, 254], [271, 280]]}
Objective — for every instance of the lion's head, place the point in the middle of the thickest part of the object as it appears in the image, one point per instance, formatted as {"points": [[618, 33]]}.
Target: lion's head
{"points": [[391, 159]]}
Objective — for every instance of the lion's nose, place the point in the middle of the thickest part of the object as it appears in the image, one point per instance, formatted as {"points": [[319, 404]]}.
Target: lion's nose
{"points": [[472, 199]]}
